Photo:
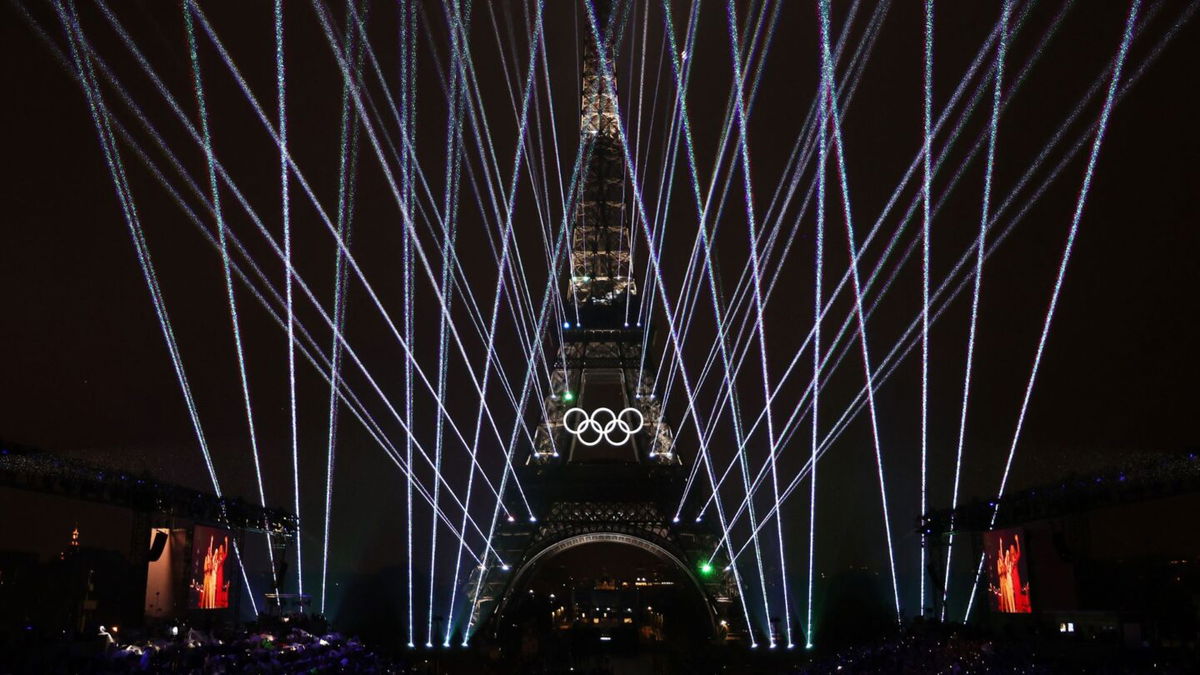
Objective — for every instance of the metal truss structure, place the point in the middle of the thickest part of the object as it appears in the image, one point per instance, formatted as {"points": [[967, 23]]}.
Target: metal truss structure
{"points": [[30, 469]]}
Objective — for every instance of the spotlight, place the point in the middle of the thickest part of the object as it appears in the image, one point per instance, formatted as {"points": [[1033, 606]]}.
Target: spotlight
{"points": [[566, 324], [706, 568]]}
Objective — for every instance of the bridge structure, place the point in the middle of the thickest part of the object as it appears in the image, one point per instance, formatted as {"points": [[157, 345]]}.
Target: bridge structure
{"points": [[604, 467]]}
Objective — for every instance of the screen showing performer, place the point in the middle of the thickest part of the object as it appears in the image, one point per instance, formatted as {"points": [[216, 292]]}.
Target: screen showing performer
{"points": [[209, 587], [1008, 575]]}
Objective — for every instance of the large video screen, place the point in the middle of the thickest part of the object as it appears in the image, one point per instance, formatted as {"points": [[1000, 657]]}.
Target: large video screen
{"points": [[1007, 571], [211, 567]]}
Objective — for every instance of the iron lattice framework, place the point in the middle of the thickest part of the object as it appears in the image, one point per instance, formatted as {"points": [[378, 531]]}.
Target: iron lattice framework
{"points": [[600, 344], [579, 495], [600, 239]]}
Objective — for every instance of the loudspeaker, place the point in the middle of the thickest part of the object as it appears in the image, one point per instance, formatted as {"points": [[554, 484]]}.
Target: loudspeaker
{"points": [[1061, 548], [158, 545], [280, 574]]}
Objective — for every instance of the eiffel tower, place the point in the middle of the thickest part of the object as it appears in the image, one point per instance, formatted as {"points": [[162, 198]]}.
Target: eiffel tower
{"points": [[604, 466]]}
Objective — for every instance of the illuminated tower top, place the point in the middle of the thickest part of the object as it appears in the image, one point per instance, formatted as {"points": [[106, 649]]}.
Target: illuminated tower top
{"points": [[600, 238]]}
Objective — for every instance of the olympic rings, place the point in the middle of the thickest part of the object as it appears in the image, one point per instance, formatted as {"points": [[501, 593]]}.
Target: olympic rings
{"points": [[602, 422]]}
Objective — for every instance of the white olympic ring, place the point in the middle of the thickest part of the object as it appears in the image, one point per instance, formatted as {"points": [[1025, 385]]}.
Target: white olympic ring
{"points": [[592, 422]]}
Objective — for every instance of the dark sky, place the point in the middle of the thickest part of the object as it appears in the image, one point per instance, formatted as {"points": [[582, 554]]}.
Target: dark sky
{"points": [[86, 372]]}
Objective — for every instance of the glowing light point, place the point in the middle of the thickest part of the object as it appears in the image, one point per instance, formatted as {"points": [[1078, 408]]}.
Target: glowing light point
{"points": [[706, 568], [808, 645], [428, 645], [506, 567], [675, 519], [568, 396], [566, 324], [533, 519], [511, 519], [411, 645]]}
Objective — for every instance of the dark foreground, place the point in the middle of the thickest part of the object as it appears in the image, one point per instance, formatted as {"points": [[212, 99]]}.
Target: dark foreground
{"points": [[917, 649]]}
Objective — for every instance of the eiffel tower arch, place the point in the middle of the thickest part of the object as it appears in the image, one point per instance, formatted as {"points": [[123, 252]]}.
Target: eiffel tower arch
{"points": [[604, 467]]}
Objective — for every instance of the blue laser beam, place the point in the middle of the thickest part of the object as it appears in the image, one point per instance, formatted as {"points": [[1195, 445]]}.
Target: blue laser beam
{"points": [[345, 393], [100, 119], [816, 375], [221, 228], [827, 73], [1076, 217], [927, 176], [980, 248]]}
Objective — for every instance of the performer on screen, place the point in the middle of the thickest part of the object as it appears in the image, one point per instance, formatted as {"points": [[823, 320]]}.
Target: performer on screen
{"points": [[1004, 580], [1020, 589], [1011, 594], [213, 593]]}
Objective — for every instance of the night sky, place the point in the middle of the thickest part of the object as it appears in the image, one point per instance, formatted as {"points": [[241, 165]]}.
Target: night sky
{"points": [[86, 372]]}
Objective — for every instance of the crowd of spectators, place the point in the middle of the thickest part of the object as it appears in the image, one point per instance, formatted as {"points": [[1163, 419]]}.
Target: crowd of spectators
{"points": [[920, 653], [955, 650], [194, 652], [295, 651]]}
